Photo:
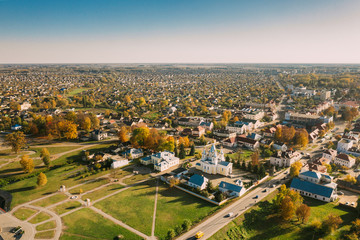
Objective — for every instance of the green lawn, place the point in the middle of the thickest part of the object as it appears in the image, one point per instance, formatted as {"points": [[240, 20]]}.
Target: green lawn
{"points": [[50, 200], [46, 226], [102, 192], [91, 225], [261, 224], [27, 190], [246, 154], [89, 186], [134, 206], [24, 213], [42, 216], [174, 206], [45, 235], [65, 207], [76, 91], [136, 178]]}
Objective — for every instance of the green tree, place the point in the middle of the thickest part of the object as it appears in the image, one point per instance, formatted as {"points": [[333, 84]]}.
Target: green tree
{"points": [[192, 150], [171, 234], [182, 153], [45, 157]]}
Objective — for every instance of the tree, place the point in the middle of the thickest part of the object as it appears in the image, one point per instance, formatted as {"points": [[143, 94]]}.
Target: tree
{"points": [[182, 153], [173, 181], [16, 140], [123, 134], [350, 179], [45, 157], [332, 222], [303, 213], [171, 234], [278, 134], [302, 138], [186, 225], [192, 150], [67, 129], [262, 171], [255, 159], [295, 169], [27, 164], [287, 208], [86, 124], [139, 136], [358, 205], [41, 180]]}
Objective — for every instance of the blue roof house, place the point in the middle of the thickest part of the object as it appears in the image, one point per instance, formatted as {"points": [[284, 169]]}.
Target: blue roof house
{"points": [[310, 189], [198, 181], [231, 189]]}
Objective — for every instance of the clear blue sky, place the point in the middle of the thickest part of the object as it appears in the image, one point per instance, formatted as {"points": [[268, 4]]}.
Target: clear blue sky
{"points": [[109, 31]]}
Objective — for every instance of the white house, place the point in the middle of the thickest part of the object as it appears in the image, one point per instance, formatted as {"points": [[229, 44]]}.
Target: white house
{"points": [[119, 163], [98, 135], [214, 163], [344, 145], [329, 154], [285, 159], [197, 181], [343, 159], [25, 106], [133, 153], [16, 127], [161, 160]]}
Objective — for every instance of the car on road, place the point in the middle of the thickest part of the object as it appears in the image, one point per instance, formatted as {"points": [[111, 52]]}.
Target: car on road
{"points": [[199, 235], [230, 214], [265, 190], [256, 197], [73, 197], [352, 204], [347, 203]]}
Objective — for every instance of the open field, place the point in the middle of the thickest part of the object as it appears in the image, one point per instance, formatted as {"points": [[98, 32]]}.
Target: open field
{"points": [[65, 207], [136, 178], [50, 200], [102, 192], [89, 224], [46, 226], [42, 216], [174, 206], [24, 213], [45, 235], [89, 186], [134, 206], [76, 91]]}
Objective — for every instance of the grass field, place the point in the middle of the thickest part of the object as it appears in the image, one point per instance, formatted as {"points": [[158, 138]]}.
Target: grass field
{"points": [[246, 154], [46, 226], [102, 192], [89, 186], [65, 207], [26, 190], [272, 227], [24, 213], [136, 178], [50, 200], [174, 206], [89, 224], [45, 235], [42, 216], [76, 91], [134, 206]]}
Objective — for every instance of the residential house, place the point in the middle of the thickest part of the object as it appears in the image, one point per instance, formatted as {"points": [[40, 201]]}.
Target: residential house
{"points": [[133, 153], [16, 127], [285, 159], [254, 136], [161, 160], [198, 131], [344, 145], [247, 142], [345, 160], [269, 132], [198, 181], [329, 154], [98, 135], [207, 125], [223, 133], [231, 189]]}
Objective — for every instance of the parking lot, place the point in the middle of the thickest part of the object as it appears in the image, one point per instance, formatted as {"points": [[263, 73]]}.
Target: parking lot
{"points": [[349, 198]]}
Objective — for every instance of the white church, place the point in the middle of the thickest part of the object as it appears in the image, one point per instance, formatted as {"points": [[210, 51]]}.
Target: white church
{"points": [[214, 163]]}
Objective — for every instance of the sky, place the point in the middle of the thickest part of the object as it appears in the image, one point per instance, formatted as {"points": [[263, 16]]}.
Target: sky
{"points": [[179, 31]]}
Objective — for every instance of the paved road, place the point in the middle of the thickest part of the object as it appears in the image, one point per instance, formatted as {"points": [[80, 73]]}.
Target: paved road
{"points": [[218, 221]]}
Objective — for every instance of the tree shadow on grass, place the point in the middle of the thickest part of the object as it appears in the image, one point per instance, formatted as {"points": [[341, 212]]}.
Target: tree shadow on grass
{"points": [[23, 189]]}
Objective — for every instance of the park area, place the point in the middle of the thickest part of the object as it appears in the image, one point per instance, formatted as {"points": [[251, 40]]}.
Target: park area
{"points": [[260, 222]]}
